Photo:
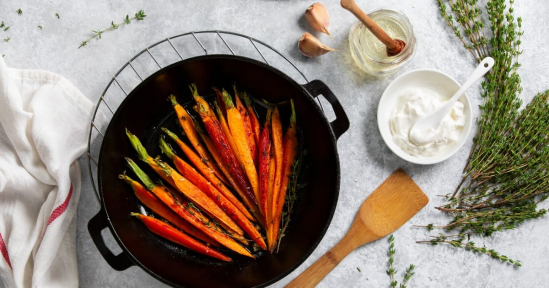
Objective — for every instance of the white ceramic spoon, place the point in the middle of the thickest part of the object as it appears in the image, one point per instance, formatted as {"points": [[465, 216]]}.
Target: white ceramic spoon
{"points": [[423, 130]]}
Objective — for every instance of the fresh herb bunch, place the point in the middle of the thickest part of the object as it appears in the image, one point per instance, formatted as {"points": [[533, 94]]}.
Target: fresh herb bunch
{"points": [[505, 176], [97, 33], [392, 271]]}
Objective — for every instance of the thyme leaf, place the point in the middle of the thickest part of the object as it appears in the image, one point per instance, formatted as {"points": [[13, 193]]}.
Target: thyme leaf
{"points": [[140, 15]]}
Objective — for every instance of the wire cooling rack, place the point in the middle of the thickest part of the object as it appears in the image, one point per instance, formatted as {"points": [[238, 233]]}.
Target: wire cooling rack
{"points": [[166, 52]]}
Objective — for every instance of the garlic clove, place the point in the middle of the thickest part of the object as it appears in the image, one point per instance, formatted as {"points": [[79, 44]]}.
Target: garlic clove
{"points": [[318, 18], [311, 47]]}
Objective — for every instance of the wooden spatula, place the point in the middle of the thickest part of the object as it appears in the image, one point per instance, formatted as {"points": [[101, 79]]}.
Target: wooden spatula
{"points": [[393, 203]]}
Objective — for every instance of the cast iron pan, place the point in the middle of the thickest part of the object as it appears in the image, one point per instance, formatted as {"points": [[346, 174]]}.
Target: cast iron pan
{"points": [[146, 109]]}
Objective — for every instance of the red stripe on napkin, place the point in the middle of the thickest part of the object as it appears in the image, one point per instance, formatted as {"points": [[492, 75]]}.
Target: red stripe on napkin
{"points": [[61, 208], [4, 251]]}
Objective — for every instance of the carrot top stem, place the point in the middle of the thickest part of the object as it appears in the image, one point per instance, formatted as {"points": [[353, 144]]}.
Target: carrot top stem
{"points": [[141, 151], [170, 133], [166, 149], [246, 98], [194, 89], [173, 100], [227, 99], [140, 174], [292, 117]]}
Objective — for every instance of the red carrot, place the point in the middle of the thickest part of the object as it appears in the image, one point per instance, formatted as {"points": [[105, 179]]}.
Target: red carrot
{"points": [[168, 232], [149, 200]]}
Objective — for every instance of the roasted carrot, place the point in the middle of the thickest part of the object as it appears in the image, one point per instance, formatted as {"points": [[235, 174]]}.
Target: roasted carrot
{"points": [[221, 143], [149, 200], [186, 188], [248, 130], [168, 232], [236, 124], [278, 155], [186, 210], [187, 124], [256, 127], [264, 162], [290, 151], [225, 128], [190, 173], [207, 172], [269, 228]]}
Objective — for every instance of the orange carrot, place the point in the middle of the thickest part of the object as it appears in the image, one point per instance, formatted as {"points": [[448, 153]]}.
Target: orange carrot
{"points": [[236, 124], [207, 172], [227, 131], [269, 228], [290, 151], [190, 173], [264, 161], [187, 124], [253, 116], [186, 210], [248, 130], [149, 200], [186, 187], [242, 186], [168, 232], [278, 155]]}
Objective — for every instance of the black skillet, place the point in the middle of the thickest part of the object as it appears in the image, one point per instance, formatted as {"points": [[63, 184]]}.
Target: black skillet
{"points": [[146, 109]]}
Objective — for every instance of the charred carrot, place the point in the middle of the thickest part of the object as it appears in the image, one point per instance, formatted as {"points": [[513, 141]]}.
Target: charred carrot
{"points": [[187, 124], [185, 187], [278, 155], [248, 130], [264, 161], [221, 143], [253, 116], [149, 200], [269, 228], [207, 172], [225, 128], [190, 173], [236, 124], [168, 232], [187, 211], [290, 151]]}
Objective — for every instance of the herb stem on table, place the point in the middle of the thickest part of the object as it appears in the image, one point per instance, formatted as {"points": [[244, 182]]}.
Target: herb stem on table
{"points": [[506, 174], [391, 271], [97, 33]]}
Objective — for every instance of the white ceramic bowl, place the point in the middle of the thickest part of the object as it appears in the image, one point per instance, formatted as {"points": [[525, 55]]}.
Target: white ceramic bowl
{"points": [[435, 81]]}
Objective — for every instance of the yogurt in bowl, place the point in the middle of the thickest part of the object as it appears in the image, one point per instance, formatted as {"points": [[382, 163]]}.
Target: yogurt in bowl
{"points": [[413, 96]]}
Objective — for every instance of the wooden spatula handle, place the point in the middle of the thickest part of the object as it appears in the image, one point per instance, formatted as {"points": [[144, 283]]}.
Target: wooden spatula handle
{"points": [[323, 266]]}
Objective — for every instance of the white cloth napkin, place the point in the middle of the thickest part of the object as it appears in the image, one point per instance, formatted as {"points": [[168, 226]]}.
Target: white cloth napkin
{"points": [[44, 122]]}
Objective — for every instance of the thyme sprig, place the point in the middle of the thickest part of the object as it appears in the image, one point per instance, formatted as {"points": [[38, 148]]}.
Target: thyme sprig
{"points": [[505, 176], [97, 33], [391, 271]]}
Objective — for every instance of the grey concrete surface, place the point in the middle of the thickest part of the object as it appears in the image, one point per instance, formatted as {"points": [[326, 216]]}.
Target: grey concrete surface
{"points": [[365, 159]]}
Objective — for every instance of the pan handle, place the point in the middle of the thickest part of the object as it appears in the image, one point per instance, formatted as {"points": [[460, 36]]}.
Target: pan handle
{"points": [[118, 262], [341, 123]]}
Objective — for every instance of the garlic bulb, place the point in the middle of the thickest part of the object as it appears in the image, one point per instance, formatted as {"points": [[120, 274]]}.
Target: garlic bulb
{"points": [[318, 18], [311, 47]]}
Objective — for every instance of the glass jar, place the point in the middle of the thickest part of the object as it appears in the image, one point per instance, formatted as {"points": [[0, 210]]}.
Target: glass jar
{"points": [[370, 54]]}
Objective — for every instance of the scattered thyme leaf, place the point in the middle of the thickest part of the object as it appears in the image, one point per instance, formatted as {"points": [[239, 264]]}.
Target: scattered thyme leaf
{"points": [[7, 39], [358, 269], [97, 33], [7, 28], [3, 55], [391, 271], [19, 11], [57, 15], [2, 24], [40, 26]]}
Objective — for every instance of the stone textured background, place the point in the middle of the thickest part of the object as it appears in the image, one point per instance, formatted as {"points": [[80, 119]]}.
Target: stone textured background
{"points": [[365, 160]]}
